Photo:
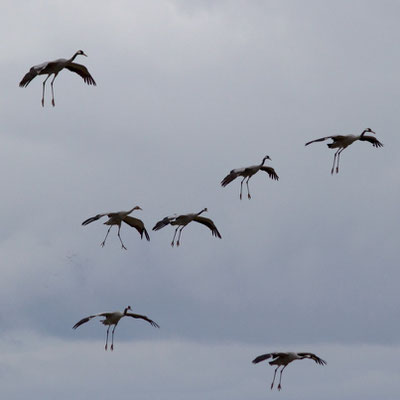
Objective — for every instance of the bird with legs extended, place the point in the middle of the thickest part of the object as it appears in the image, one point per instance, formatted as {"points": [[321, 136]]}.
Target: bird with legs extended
{"points": [[112, 318], [116, 218], [248, 172], [53, 68], [340, 142], [180, 221], [284, 359]]}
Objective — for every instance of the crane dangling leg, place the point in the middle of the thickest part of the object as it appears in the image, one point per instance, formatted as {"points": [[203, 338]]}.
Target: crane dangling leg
{"points": [[104, 241], [119, 227], [241, 187], [248, 190], [44, 83], [273, 380], [173, 239], [280, 378], [112, 337], [338, 158], [179, 236], [334, 161], [52, 90], [105, 347]]}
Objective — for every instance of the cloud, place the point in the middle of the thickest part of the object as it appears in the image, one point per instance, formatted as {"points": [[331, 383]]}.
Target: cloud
{"points": [[169, 369]]}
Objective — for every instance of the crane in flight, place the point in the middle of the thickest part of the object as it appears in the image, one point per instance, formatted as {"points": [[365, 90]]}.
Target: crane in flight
{"points": [[116, 218], [341, 142], [180, 221], [248, 172], [53, 68], [284, 359], [112, 318]]}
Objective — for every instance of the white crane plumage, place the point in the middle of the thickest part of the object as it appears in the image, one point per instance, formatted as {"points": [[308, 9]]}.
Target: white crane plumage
{"points": [[116, 218], [182, 220], [112, 318], [54, 67], [248, 172], [340, 142], [284, 359]]}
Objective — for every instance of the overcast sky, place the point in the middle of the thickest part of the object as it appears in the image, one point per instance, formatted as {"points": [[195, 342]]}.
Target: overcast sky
{"points": [[187, 91]]}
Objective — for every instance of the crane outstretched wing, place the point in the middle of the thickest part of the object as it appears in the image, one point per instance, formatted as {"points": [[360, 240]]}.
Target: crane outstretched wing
{"points": [[82, 71], [161, 224], [319, 140], [263, 357], [271, 172], [318, 360], [87, 319], [92, 219], [138, 225], [335, 138], [375, 142], [151, 322], [28, 77], [209, 224], [231, 176]]}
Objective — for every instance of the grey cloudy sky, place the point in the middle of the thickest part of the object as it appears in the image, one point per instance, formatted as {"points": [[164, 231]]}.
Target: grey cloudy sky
{"points": [[186, 91]]}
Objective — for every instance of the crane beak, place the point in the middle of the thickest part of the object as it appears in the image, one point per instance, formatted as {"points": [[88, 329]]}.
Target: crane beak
{"points": [[84, 54]]}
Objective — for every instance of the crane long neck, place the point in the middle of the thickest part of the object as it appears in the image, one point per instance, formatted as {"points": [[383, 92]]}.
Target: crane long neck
{"points": [[74, 56], [204, 209]]}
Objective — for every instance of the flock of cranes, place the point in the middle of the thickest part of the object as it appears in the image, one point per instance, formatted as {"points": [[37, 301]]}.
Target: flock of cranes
{"points": [[339, 142]]}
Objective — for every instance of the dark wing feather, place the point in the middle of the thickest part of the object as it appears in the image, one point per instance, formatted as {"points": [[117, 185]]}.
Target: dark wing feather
{"points": [[160, 224], [229, 178], [268, 355], [28, 77], [262, 358], [151, 322], [318, 360], [271, 172], [82, 71], [87, 319], [92, 219], [137, 224], [209, 224], [321, 139], [375, 142]]}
